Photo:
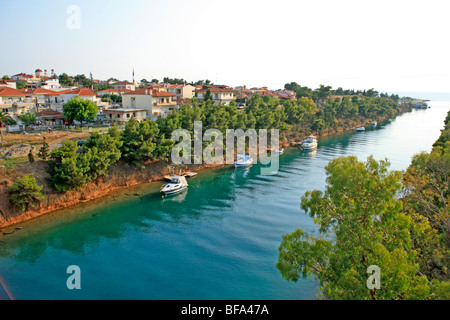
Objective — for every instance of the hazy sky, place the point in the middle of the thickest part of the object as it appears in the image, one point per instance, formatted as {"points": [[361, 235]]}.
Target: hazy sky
{"points": [[388, 45]]}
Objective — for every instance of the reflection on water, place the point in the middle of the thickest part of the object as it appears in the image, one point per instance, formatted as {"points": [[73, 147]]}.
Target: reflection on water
{"points": [[217, 240]]}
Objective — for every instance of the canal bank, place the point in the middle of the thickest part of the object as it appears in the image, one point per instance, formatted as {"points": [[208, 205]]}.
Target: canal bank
{"points": [[121, 176], [219, 240]]}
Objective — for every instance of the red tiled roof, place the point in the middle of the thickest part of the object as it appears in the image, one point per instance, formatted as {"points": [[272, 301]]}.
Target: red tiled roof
{"points": [[23, 75], [49, 113], [42, 91], [79, 92], [215, 89], [10, 92], [115, 91], [154, 93], [121, 83]]}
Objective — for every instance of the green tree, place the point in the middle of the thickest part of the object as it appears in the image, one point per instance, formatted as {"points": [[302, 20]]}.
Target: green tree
{"points": [[360, 224], [80, 110], [208, 96], [67, 169], [104, 152], [5, 119], [323, 91], [164, 148], [28, 118], [25, 193], [44, 151], [20, 84], [65, 80], [30, 155], [139, 141]]}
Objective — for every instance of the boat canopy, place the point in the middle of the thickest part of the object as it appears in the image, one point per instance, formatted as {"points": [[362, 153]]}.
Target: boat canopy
{"points": [[243, 157], [310, 138], [178, 179]]}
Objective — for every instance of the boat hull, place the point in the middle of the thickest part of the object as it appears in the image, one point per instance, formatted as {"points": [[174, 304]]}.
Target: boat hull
{"points": [[174, 191], [242, 165], [309, 146]]}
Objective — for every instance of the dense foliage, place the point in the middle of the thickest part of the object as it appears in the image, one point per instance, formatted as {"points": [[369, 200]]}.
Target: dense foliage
{"points": [[71, 167], [28, 119], [80, 110], [25, 193], [427, 195], [362, 221], [5, 119], [141, 142]]}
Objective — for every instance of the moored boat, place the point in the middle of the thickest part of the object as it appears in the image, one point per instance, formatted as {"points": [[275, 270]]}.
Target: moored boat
{"points": [[310, 143], [243, 160], [176, 185], [361, 129]]}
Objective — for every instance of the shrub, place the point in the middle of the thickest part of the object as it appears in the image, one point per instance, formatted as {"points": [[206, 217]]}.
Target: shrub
{"points": [[25, 193]]}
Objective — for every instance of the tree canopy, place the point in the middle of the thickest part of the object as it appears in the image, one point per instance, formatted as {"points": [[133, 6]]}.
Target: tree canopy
{"points": [[360, 224], [80, 110]]}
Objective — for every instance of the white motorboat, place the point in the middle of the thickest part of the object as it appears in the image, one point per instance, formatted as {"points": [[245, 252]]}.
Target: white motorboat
{"points": [[243, 160], [176, 185], [279, 151], [361, 129], [310, 143]]}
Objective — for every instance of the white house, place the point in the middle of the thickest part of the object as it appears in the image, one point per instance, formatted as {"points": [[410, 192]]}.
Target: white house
{"points": [[58, 100], [15, 101], [124, 85], [220, 94], [51, 84], [182, 91], [22, 76], [154, 102], [123, 115], [8, 84]]}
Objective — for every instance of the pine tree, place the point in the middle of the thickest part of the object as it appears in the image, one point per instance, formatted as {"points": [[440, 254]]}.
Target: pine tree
{"points": [[26, 193], [44, 151], [30, 155]]}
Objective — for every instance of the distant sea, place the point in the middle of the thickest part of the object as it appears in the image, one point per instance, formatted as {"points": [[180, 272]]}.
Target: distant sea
{"points": [[434, 96]]}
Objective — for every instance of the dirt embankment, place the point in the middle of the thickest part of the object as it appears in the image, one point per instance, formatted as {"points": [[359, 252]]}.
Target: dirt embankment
{"points": [[121, 175]]}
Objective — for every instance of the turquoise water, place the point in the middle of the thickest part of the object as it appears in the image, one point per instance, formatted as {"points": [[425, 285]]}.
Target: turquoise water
{"points": [[218, 240]]}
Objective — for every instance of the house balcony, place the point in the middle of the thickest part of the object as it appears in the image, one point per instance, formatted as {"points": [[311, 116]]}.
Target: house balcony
{"points": [[165, 104], [24, 104]]}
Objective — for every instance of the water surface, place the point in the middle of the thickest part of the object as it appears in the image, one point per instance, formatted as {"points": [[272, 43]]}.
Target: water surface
{"points": [[218, 240]]}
